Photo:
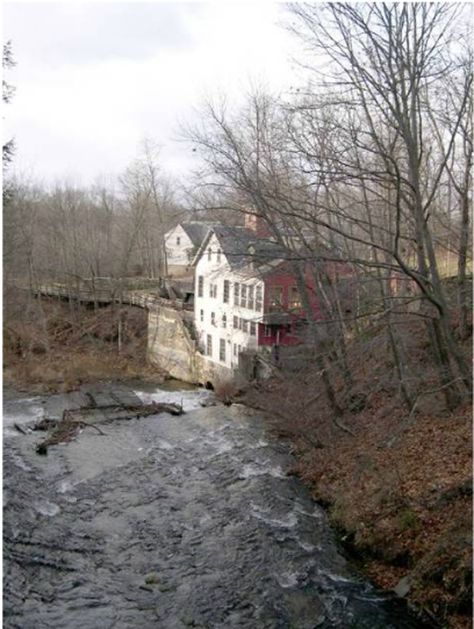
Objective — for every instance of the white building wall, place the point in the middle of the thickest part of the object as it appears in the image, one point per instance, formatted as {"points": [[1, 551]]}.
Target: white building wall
{"points": [[214, 272], [178, 247]]}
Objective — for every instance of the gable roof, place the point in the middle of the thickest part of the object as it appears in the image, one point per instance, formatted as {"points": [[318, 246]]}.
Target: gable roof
{"points": [[242, 246], [197, 230]]}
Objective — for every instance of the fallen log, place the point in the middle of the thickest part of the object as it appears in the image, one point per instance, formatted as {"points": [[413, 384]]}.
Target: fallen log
{"points": [[20, 429], [73, 420], [64, 432], [45, 424]]}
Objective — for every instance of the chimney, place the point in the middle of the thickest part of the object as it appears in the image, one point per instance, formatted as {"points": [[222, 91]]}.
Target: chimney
{"points": [[256, 224]]}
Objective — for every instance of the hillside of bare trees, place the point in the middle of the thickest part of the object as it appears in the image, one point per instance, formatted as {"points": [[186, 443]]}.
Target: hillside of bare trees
{"points": [[65, 233], [371, 163]]}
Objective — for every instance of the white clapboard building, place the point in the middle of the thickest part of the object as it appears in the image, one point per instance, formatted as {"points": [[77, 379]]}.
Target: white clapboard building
{"points": [[181, 245], [229, 292]]}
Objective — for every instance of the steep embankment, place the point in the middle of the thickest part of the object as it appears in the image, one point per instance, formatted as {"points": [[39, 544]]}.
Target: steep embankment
{"points": [[51, 346], [399, 488]]}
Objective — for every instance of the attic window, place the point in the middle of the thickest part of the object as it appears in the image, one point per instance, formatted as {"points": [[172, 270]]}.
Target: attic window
{"points": [[251, 254], [178, 240], [209, 254], [218, 256]]}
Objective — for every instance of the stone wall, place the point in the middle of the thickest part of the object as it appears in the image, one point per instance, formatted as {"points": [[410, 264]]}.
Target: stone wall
{"points": [[170, 347]]}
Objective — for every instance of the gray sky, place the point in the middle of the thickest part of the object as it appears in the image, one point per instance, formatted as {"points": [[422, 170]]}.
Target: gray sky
{"points": [[93, 78]]}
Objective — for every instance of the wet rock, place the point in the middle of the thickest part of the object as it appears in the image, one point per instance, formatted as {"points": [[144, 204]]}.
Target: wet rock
{"points": [[207, 403], [152, 578], [147, 588], [404, 586]]}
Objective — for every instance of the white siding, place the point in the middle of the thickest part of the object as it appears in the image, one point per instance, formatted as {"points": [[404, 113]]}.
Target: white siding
{"points": [[214, 274], [178, 247]]}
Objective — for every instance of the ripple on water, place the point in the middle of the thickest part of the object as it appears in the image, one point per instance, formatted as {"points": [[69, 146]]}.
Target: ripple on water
{"points": [[218, 444], [316, 513], [190, 400], [288, 521], [162, 444], [20, 413], [19, 462], [251, 470], [287, 580], [66, 486], [47, 508], [309, 548]]}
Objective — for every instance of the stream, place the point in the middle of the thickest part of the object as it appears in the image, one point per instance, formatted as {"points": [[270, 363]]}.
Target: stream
{"points": [[171, 522]]}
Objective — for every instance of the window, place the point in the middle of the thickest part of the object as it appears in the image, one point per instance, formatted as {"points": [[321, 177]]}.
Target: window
{"points": [[258, 298], [209, 254], [240, 323], [250, 298], [268, 331], [213, 290], [276, 295], [178, 240], [236, 322], [225, 295], [224, 321], [243, 296], [213, 318], [209, 345], [253, 328], [222, 350], [200, 286], [236, 293], [295, 300], [235, 349], [201, 315], [245, 325], [218, 256]]}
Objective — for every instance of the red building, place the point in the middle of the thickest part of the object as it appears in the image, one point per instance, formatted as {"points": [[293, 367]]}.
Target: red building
{"points": [[284, 317]]}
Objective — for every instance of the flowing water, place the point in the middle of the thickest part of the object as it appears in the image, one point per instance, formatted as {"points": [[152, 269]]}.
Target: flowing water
{"points": [[171, 522]]}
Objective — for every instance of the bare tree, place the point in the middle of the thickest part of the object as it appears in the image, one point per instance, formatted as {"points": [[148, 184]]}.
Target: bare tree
{"points": [[7, 94], [387, 58]]}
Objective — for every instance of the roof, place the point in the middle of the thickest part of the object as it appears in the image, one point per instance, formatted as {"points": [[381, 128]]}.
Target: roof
{"points": [[242, 247], [197, 230]]}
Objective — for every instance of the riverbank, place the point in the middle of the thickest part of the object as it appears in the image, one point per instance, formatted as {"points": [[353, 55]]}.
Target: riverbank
{"points": [[56, 348], [65, 370], [398, 489]]}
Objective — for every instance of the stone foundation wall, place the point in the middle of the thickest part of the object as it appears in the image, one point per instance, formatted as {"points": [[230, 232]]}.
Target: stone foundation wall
{"points": [[170, 347]]}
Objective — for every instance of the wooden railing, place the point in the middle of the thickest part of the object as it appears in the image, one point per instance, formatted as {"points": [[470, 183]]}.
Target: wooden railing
{"points": [[141, 298]]}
